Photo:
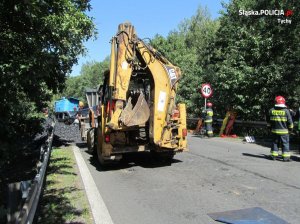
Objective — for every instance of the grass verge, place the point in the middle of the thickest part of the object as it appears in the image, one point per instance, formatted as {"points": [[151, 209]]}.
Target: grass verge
{"points": [[64, 199]]}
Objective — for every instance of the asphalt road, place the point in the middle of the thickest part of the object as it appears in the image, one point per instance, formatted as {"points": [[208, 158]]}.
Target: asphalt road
{"points": [[216, 175]]}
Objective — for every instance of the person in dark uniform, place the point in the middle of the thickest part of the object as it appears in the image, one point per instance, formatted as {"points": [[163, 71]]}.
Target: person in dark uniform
{"points": [[297, 118], [209, 119], [280, 121]]}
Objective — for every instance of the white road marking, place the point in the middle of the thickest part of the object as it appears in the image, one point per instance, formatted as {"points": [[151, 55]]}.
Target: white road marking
{"points": [[99, 209]]}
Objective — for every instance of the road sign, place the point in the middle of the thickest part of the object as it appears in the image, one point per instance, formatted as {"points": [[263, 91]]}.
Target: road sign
{"points": [[206, 90]]}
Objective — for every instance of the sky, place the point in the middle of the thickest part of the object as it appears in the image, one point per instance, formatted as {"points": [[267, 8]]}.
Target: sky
{"points": [[148, 17]]}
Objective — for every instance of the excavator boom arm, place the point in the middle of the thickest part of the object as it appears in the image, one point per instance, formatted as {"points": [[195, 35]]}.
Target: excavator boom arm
{"points": [[134, 65]]}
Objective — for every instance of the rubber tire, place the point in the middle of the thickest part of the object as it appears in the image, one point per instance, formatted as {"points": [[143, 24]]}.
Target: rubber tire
{"points": [[103, 162], [91, 140]]}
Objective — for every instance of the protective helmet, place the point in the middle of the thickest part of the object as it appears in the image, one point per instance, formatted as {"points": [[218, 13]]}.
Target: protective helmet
{"points": [[209, 104], [280, 101], [81, 104]]}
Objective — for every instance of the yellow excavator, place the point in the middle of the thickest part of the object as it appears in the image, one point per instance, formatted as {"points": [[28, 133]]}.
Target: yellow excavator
{"points": [[137, 108]]}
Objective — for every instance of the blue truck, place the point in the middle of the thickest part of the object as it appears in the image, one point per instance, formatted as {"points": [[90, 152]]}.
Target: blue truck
{"points": [[66, 108]]}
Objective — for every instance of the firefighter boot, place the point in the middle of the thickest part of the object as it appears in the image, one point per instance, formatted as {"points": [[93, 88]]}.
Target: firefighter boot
{"points": [[274, 155], [286, 157]]}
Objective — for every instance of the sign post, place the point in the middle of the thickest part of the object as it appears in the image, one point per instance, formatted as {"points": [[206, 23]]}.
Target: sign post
{"points": [[206, 92]]}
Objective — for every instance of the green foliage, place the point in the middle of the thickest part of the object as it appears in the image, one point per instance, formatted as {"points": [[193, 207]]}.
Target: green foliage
{"points": [[40, 41], [247, 59], [91, 76], [255, 58], [187, 48]]}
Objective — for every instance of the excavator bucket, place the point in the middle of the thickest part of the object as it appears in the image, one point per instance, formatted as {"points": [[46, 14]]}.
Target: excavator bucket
{"points": [[137, 115]]}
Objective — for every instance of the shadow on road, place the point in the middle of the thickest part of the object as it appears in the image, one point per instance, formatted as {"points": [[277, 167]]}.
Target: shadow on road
{"points": [[81, 145], [264, 156], [295, 158], [201, 136], [130, 160], [261, 156], [267, 142], [59, 142]]}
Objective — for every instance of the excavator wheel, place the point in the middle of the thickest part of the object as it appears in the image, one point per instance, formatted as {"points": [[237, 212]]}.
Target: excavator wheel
{"points": [[103, 162], [99, 148], [91, 140]]}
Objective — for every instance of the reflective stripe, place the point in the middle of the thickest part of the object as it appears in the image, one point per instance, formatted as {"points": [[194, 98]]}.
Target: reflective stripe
{"points": [[280, 131], [291, 126], [208, 121], [278, 112], [286, 154], [278, 119], [274, 153], [209, 132]]}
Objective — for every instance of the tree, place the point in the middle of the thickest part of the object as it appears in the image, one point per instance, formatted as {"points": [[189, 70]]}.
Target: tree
{"points": [[91, 76], [187, 48], [255, 58], [40, 41]]}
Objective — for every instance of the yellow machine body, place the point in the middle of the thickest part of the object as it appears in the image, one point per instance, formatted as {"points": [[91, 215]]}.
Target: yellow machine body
{"points": [[137, 110]]}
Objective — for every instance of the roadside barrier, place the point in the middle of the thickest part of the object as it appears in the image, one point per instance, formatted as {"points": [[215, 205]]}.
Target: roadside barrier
{"points": [[33, 191], [240, 127], [251, 124]]}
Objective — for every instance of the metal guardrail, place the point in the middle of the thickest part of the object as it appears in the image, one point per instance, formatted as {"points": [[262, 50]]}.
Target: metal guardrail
{"points": [[254, 124], [240, 127], [28, 210]]}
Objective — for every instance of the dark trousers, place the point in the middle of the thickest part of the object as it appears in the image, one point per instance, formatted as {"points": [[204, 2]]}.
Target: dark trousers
{"points": [[283, 140], [209, 130]]}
